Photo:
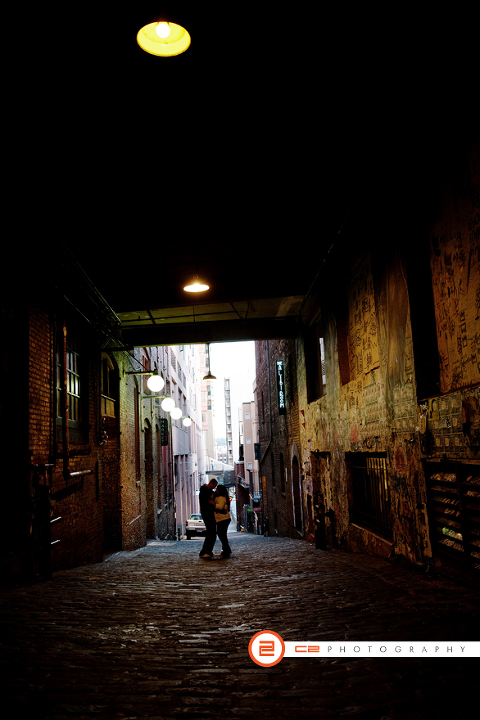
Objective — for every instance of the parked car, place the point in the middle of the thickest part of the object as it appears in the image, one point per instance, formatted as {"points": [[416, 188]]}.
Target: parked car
{"points": [[195, 526]]}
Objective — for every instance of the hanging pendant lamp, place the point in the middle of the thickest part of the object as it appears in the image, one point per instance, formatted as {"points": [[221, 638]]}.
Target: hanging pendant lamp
{"points": [[162, 27], [163, 39], [196, 285], [209, 375]]}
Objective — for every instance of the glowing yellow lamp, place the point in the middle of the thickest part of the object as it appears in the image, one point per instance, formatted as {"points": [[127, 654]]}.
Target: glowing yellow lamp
{"points": [[163, 39], [196, 285]]}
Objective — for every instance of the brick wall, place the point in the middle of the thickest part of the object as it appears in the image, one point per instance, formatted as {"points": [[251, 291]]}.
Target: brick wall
{"points": [[278, 434], [77, 536], [40, 385], [111, 472], [146, 502], [370, 413], [132, 465], [95, 486]]}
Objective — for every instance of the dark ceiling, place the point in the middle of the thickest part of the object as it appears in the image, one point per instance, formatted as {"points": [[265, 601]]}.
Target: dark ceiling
{"points": [[242, 157]]}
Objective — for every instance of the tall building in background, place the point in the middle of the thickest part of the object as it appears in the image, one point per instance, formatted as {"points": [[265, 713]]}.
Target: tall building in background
{"points": [[228, 421]]}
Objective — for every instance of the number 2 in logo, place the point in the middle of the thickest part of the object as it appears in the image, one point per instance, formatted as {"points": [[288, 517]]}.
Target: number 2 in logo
{"points": [[266, 648]]}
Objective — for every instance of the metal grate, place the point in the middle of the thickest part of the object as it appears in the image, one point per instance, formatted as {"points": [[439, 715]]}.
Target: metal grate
{"points": [[371, 498], [454, 511]]}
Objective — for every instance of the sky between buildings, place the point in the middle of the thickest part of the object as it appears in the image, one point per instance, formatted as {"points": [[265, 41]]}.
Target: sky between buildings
{"points": [[235, 360]]}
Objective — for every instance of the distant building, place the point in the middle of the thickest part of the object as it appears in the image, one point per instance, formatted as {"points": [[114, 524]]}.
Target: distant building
{"points": [[248, 484], [207, 405], [221, 453], [228, 421]]}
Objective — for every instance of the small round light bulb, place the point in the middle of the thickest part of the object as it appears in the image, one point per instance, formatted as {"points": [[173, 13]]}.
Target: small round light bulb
{"points": [[187, 421], [168, 404], [155, 383], [176, 413], [163, 30]]}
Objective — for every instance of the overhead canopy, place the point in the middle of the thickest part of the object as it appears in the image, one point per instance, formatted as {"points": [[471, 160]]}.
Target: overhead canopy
{"points": [[239, 160]]}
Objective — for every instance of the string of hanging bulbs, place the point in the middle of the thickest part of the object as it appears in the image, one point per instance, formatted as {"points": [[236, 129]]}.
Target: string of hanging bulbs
{"points": [[155, 384]]}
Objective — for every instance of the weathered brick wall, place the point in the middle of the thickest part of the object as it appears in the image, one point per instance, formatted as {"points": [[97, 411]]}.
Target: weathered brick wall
{"points": [[455, 263], [40, 385], [278, 434], [374, 412], [77, 501], [453, 418], [118, 500], [111, 473], [145, 482], [371, 406], [132, 469]]}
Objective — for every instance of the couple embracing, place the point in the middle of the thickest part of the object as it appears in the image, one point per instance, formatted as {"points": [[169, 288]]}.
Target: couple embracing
{"points": [[215, 510]]}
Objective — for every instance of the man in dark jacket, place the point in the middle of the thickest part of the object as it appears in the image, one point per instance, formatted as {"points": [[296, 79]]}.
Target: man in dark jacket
{"points": [[207, 509]]}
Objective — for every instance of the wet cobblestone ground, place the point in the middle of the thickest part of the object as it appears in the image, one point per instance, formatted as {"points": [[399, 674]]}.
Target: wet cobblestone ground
{"points": [[159, 634]]}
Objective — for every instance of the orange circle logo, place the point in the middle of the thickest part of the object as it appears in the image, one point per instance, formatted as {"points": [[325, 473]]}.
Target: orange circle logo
{"points": [[266, 648]]}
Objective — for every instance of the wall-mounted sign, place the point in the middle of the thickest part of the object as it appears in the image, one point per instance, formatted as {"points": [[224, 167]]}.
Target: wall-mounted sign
{"points": [[282, 403], [164, 431]]}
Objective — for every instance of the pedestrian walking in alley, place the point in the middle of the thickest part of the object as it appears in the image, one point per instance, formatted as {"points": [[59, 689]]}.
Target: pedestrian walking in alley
{"points": [[222, 518], [207, 509]]}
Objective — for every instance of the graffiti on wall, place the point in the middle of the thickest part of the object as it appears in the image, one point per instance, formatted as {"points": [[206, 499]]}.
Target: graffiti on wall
{"points": [[363, 353], [405, 410], [455, 244], [453, 423]]}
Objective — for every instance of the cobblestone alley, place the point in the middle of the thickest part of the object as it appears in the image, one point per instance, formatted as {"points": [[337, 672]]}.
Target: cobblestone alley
{"points": [[158, 633]]}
